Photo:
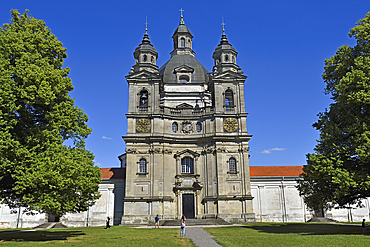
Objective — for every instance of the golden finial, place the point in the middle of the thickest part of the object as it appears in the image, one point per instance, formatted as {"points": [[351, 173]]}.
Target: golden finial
{"points": [[223, 25], [182, 20], [146, 24]]}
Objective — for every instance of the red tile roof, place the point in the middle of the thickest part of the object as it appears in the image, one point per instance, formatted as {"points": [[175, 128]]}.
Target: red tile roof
{"points": [[113, 173], [266, 171], [255, 171]]}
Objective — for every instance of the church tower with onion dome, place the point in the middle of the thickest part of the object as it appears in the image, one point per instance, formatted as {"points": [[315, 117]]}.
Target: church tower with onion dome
{"points": [[187, 140]]}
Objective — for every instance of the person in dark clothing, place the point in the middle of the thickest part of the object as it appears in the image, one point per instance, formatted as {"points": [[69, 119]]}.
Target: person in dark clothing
{"points": [[107, 226], [156, 221], [363, 227]]}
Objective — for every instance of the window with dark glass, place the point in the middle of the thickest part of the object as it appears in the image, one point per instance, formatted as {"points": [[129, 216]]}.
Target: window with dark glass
{"points": [[187, 165], [145, 58], [142, 166], [144, 98], [199, 127], [232, 165], [175, 127]]}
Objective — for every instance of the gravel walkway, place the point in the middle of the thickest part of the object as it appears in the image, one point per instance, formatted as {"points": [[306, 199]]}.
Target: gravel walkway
{"points": [[200, 237]]}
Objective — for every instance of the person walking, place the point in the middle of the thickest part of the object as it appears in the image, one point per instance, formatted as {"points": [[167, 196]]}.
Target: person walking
{"points": [[107, 226], [156, 221], [182, 233], [363, 227]]}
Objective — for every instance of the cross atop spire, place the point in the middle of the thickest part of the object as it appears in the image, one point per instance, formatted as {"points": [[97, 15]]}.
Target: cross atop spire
{"points": [[182, 20], [146, 25], [223, 25]]}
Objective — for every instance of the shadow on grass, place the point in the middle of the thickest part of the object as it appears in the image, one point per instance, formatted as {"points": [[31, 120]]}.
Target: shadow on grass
{"points": [[307, 229], [35, 236]]}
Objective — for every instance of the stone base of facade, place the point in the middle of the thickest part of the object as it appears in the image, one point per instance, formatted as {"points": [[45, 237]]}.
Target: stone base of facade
{"points": [[237, 218], [143, 219]]}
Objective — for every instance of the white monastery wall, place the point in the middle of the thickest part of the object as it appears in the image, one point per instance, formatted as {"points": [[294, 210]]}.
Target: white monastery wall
{"points": [[276, 199], [109, 204]]}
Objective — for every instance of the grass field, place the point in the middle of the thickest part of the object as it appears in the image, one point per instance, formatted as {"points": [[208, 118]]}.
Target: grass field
{"points": [[259, 234], [290, 234], [96, 236]]}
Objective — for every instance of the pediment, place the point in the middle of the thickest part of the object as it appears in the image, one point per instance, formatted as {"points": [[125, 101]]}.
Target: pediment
{"points": [[184, 105], [229, 75], [143, 75], [183, 69], [187, 152]]}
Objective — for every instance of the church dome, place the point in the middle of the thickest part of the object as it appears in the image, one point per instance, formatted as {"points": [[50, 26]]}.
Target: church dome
{"points": [[183, 64], [168, 70]]}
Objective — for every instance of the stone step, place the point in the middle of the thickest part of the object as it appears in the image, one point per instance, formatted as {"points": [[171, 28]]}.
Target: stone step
{"points": [[194, 222], [50, 225], [321, 219]]}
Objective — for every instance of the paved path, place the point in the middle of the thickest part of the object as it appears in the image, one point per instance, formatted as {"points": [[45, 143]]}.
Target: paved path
{"points": [[197, 234], [200, 237]]}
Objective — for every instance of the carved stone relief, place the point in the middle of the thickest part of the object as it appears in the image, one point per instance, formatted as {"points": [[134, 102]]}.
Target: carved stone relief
{"points": [[187, 127]]}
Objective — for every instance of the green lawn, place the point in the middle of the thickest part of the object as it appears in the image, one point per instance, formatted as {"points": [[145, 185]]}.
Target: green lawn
{"points": [[259, 234], [290, 234], [96, 236]]}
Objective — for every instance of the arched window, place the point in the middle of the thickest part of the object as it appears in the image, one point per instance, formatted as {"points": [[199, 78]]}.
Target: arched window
{"points": [[199, 127], [144, 98], [152, 59], [142, 166], [226, 58], [184, 79], [229, 100], [187, 165], [175, 127], [182, 43], [145, 58], [232, 165]]}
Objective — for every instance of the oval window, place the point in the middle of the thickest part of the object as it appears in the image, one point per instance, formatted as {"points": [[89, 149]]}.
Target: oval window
{"points": [[175, 127], [199, 126]]}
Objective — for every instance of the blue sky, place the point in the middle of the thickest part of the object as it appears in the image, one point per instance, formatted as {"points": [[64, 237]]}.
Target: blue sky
{"points": [[282, 46]]}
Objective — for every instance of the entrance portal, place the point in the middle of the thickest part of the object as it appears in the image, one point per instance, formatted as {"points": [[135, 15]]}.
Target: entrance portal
{"points": [[188, 206], [52, 218]]}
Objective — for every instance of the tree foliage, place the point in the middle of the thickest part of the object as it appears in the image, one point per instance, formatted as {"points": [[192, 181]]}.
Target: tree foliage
{"points": [[338, 172], [37, 116]]}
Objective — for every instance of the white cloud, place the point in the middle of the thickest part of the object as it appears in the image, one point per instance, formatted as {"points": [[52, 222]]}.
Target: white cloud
{"points": [[96, 163], [277, 149], [106, 138], [268, 151]]}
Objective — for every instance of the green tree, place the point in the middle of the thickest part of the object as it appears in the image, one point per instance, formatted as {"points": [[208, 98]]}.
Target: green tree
{"points": [[339, 170], [37, 116]]}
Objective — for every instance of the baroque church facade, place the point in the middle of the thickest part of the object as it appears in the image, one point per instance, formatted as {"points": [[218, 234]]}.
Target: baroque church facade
{"points": [[187, 151], [187, 138]]}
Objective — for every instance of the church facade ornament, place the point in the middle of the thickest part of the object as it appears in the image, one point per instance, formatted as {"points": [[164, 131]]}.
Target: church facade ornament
{"points": [[187, 127]]}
